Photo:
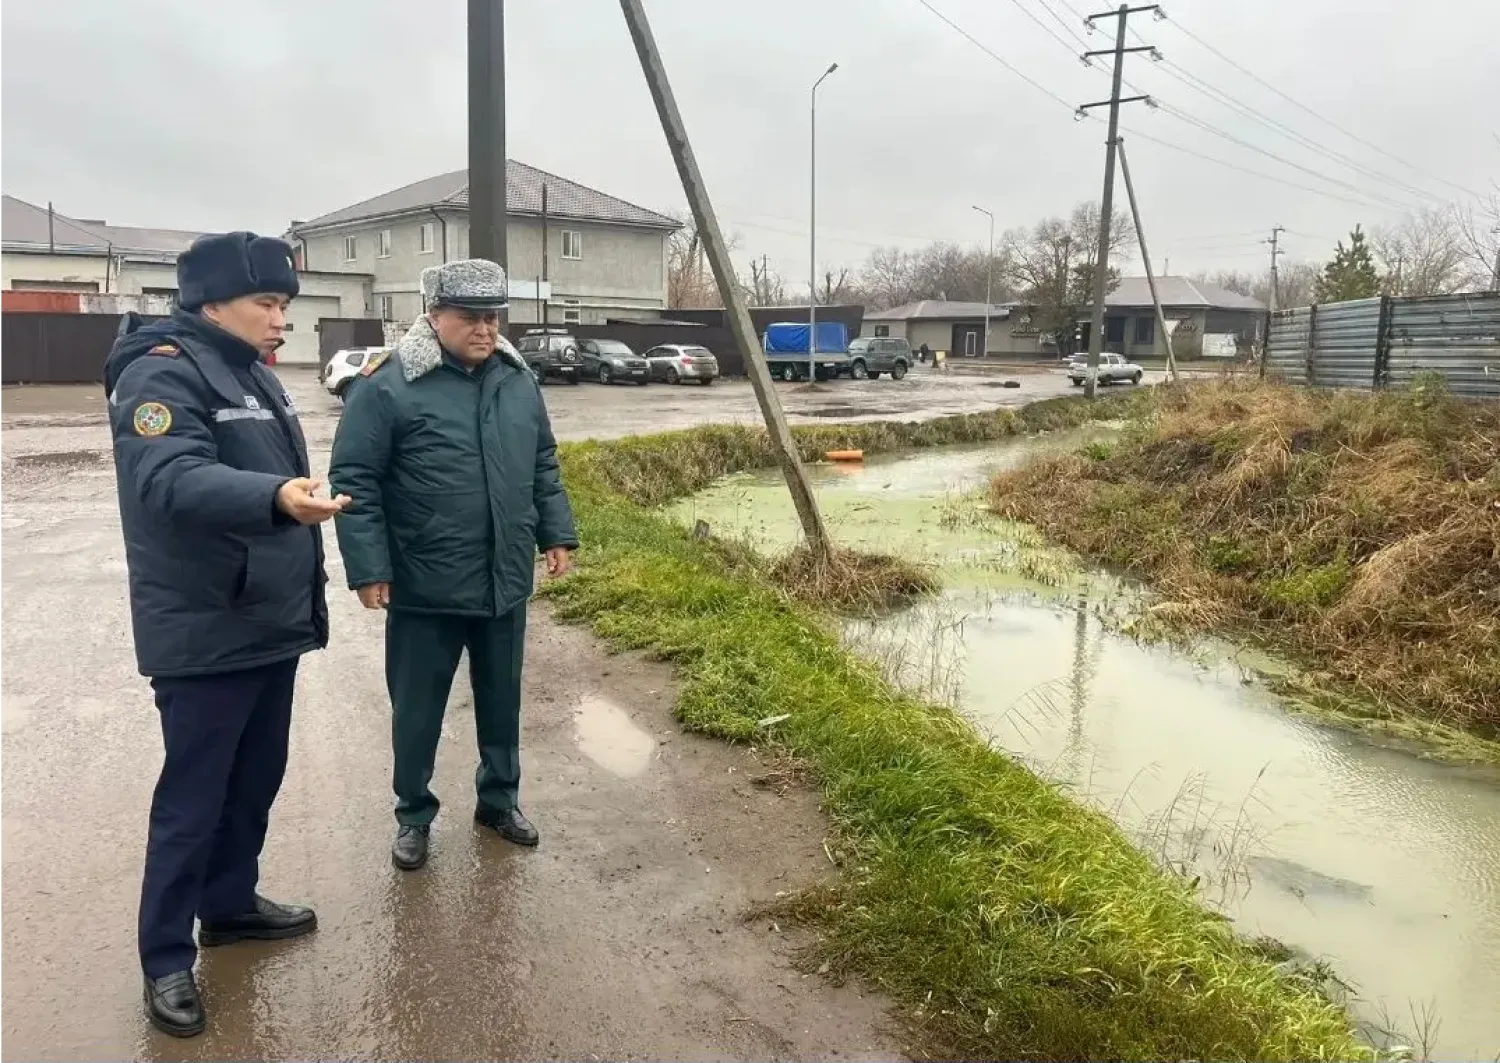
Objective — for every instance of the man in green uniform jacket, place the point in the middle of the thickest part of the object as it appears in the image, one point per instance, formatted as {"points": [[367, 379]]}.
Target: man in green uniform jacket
{"points": [[448, 450]]}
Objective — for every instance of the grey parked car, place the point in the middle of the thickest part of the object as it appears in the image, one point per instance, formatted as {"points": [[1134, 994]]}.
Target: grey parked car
{"points": [[869, 356], [677, 362], [610, 360]]}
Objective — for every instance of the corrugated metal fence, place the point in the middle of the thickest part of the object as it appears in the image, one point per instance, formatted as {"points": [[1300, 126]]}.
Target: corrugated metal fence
{"points": [[1387, 342]]}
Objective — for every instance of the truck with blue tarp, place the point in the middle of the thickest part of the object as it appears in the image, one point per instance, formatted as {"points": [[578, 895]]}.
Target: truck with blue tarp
{"points": [[785, 344]]}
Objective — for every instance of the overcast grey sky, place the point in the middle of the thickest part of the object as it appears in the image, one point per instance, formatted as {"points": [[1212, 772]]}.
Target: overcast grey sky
{"points": [[186, 114]]}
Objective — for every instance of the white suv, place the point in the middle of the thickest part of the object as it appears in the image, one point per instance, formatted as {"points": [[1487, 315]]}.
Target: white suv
{"points": [[344, 366]]}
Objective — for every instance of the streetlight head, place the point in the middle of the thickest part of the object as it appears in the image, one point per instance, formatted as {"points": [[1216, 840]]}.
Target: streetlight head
{"points": [[832, 67], [1080, 114]]}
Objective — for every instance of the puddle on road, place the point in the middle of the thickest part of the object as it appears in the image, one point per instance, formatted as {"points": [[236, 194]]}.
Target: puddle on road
{"points": [[1383, 864], [607, 735]]}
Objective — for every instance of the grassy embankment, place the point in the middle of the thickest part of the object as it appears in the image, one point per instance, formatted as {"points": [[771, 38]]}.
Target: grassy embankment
{"points": [[1358, 535], [1010, 921]]}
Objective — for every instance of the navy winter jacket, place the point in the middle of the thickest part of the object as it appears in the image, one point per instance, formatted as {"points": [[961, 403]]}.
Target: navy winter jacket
{"points": [[204, 436]]}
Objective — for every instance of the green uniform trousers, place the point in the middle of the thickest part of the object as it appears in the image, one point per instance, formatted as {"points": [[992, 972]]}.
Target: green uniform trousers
{"points": [[421, 657]]}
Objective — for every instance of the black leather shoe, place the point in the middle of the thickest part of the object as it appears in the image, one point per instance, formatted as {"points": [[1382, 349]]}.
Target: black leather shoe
{"points": [[173, 1006], [410, 849], [509, 824], [267, 921]]}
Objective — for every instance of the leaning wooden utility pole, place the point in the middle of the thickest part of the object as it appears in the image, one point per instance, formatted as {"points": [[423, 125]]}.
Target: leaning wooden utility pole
{"points": [[718, 256], [1140, 235], [1107, 203]]}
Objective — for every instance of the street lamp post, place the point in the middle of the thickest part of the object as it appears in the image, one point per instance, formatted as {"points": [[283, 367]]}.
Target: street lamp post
{"points": [[812, 236], [989, 265]]}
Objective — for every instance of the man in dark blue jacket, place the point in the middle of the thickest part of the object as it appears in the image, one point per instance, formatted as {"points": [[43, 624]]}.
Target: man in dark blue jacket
{"points": [[220, 518]]}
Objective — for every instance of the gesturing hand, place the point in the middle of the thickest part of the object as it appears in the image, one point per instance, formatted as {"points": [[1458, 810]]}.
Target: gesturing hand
{"points": [[375, 595], [297, 498]]}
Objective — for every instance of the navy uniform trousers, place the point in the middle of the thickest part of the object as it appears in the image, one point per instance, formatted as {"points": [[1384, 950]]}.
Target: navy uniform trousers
{"points": [[226, 739], [421, 656]]}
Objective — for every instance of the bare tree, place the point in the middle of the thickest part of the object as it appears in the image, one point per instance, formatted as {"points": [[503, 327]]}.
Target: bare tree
{"points": [[690, 283], [1479, 228], [767, 287], [1424, 254], [889, 278]]}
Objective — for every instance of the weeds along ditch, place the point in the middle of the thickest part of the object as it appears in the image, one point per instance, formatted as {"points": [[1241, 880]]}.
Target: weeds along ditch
{"points": [[1356, 534], [1008, 920]]}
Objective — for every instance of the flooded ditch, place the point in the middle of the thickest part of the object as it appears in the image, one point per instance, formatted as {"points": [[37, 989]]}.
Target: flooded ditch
{"points": [[1380, 865]]}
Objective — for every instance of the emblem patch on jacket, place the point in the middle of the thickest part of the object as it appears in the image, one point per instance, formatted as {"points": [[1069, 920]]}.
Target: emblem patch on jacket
{"points": [[166, 349], [151, 419], [375, 363]]}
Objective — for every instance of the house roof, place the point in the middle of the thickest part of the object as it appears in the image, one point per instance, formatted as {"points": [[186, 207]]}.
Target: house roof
{"points": [[939, 309], [25, 227], [523, 195], [24, 224], [1179, 292]]}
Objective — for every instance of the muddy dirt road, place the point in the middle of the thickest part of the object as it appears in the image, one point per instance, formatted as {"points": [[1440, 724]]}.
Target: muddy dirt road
{"points": [[620, 937]]}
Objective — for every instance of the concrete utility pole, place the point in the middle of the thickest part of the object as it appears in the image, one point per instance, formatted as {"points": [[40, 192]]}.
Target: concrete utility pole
{"points": [[812, 235], [487, 131], [1276, 252], [989, 266], [718, 254], [1107, 202], [1140, 235]]}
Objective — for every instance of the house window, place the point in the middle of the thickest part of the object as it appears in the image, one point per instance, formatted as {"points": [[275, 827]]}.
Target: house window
{"points": [[1145, 330], [350, 247], [572, 317], [388, 308], [572, 243], [383, 243], [882, 330], [425, 238]]}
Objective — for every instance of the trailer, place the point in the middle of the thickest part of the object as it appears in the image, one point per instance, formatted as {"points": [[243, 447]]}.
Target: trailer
{"points": [[786, 347]]}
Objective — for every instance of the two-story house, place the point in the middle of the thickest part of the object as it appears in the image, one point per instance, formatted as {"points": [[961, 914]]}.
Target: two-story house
{"points": [[605, 258]]}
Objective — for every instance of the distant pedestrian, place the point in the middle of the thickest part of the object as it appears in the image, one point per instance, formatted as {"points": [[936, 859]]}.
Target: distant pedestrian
{"points": [[226, 594], [447, 448], [926, 353]]}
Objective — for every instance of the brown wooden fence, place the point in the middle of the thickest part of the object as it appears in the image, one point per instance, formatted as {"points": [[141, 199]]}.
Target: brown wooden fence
{"points": [[56, 348]]}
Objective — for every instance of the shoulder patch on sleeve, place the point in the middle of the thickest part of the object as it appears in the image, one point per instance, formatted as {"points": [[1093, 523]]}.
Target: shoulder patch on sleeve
{"points": [[151, 419], [375, 363], [166, 350]]}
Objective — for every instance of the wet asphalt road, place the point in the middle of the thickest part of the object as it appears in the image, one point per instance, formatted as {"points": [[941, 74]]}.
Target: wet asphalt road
{"points": [[621, 937]]}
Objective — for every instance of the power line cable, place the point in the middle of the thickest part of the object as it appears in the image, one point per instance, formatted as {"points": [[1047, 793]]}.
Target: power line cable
{"points": [[1071, 29], [1224, 99], [996, 57], [1326, 121], [1207, 128], [1237, 168], [1048, 29]]}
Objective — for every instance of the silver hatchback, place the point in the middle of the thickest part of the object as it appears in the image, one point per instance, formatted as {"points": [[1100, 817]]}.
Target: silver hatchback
{"points": [[677, 362]]}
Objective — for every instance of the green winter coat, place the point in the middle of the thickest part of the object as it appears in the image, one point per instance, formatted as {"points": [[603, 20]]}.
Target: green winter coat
{"points": [[454, 480]]}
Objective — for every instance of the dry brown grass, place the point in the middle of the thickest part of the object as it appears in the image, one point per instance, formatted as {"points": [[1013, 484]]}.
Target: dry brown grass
{"points": [[1358, 533], [851, 580]]}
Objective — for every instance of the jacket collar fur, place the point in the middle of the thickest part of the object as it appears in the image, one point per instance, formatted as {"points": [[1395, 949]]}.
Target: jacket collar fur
{"points": [[420, 353]]}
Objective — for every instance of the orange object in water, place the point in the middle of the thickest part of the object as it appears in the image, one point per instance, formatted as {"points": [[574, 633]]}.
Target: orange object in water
{"points": [[845, 455]]}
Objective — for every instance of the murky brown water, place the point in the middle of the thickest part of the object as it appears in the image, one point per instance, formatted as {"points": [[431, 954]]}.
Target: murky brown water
{"points": [[1383, 864]]}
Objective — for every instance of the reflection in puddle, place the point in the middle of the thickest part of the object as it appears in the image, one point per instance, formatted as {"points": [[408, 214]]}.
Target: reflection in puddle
{"points": [[607, 735], [1384, 864]]}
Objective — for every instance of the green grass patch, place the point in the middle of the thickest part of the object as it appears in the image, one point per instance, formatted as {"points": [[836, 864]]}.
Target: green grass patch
{"points": [[1010, 920]]}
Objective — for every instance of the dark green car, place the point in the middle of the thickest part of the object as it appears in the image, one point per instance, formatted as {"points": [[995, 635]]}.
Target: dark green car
{"points": [[870, 356]]}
